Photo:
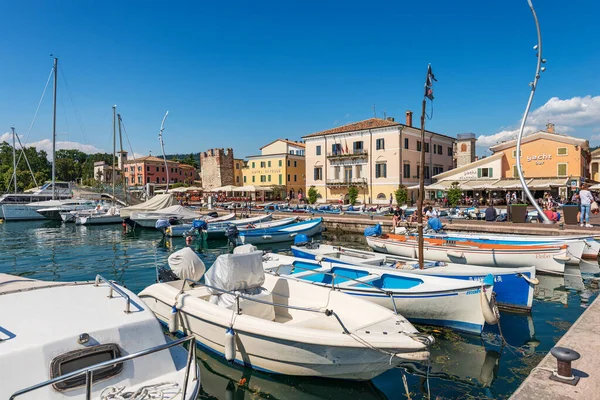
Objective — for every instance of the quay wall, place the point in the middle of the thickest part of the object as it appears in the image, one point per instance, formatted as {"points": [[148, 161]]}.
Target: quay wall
{"points": [[584, 338]]}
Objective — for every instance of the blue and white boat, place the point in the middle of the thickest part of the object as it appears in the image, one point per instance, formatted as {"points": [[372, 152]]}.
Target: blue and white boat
{"points": [[286, 233], [458, 304], [513, 287]]}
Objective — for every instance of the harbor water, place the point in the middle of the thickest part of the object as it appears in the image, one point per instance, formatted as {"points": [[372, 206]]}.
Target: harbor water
{"points": [[461, 367]]}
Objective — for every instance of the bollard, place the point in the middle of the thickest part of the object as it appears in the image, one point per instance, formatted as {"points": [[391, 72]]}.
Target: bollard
{"points": [[564, 373]]}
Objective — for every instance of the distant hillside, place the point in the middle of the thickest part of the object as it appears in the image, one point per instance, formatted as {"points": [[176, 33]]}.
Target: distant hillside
{"points": [[186, 158]]}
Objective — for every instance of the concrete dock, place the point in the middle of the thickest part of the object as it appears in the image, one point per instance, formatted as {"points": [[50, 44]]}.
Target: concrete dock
{"points": [[584, 338]]}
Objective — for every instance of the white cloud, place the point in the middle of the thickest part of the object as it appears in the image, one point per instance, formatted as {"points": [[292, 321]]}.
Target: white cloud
{"points": [[46, 145], [568, 116]]}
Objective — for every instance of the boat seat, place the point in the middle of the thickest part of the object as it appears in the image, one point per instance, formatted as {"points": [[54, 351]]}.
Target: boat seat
{"points": [[355, 282], [304, 274]]}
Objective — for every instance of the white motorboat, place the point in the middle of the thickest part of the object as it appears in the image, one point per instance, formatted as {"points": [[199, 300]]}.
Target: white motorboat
{"points": [[54, 212], [223, 218], [280, 234], [76, 343], [280, 325], [173, 214], [49, 209], [217, 231], [546, 259], [458, 304], [513, 287], [62, 191], [109, 216]]}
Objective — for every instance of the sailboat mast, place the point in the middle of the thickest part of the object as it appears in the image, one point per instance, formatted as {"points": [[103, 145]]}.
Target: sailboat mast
{"points": [[162, 145], [121, 157], [55, 71], [421, 186], [114, 170], [14, 158]]}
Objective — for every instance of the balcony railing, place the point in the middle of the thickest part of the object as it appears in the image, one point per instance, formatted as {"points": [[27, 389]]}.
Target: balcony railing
{"points": [[350, 154], [346, 182]]}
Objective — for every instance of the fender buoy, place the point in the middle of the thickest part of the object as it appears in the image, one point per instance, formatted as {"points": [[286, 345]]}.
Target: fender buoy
{"points": [[487, 303], [229, 344], [173, 319]]}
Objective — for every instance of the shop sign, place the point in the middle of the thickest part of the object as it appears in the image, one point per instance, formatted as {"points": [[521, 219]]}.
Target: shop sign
{"points": [[573, 183], [539, 159]]}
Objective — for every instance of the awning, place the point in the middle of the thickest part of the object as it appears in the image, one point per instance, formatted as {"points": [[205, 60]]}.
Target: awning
{"points": [[509, 184], [481, 184], [547, 183], [595, 187]]}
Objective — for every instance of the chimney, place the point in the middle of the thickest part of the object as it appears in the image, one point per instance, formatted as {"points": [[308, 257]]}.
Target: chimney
{"points": [[550, 127], [391, 119], [409, 118]]}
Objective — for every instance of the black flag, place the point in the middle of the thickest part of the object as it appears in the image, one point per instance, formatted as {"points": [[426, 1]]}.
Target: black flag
{"points": [[429, 83]]}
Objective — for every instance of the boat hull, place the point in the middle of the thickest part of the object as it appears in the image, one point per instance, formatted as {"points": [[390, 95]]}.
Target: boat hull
{"points": [[550, 260], [284, 234], [18, 212], [98, 219], [511, 285]]}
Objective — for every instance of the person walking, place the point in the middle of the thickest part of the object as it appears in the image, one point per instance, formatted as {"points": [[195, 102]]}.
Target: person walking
{"points": [[586, 199]]}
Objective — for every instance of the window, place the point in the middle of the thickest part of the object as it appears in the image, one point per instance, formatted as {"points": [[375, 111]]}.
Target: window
{"points": [[292, 152], [237, 179], [318, 150], [336, 172], [514, 154], [140, 179], [463, 148], [263, 178], [437, 170], [318, 174], [269, 178], [125, 169], [515, 172], [427, 172], [380, 144], [82, 358], [280, 163], [295, 180], [253, 165], [139, 168], [418, 171], [407, 170], [295, 165], [269, 164], [157, 180], [381, 196], [237, 165], [157, 169], [244, 179], [357, 147], [280, 179], [288, 177], [262, 164], [336, 148], [418, 145], [406, 143], [380, 170], [450, 152], [562, 169], [253, 178], [359, 173], [561, 151], [485, 172], [426, 147], [289, 163]]}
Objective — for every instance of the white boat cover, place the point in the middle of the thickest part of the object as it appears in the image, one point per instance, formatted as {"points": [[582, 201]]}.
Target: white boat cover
{"points": [[245, 249], [241, 274], [158, 202], [176, 210], [186, 264]]}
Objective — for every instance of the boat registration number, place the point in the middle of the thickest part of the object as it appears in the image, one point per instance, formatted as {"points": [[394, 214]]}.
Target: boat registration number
{"points": [[543, 256]]}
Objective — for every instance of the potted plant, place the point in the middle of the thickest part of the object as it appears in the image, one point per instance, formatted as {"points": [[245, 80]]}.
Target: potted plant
{"points": [[518, 213]]}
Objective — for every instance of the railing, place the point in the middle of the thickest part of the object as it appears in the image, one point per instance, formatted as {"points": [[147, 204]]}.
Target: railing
{"points": [[89, 371], [348, 154], [112, 286], [347, 182]]}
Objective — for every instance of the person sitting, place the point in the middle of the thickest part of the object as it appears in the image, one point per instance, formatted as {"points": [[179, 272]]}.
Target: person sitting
{"points": [[491, 214], [397, 216], [551, 214]]}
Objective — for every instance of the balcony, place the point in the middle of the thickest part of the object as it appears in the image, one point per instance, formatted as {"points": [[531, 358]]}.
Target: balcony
{"points": [[354, 154], [346, 182]]}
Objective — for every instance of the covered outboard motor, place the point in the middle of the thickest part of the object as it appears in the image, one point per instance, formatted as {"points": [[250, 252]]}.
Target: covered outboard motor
{"points": [[162, 225], [301, 240], [199, 224], [232, 235], [373, 230], [435, 224], [183, 264]]}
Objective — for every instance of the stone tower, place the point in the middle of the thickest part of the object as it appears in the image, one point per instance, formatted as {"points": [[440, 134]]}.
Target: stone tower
{"points": [[465, 149], [216, 168]]}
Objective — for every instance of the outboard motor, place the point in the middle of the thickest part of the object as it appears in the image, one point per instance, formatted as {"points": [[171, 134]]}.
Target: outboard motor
{"points": [[301, 240], [232, 235], [162, 225]]}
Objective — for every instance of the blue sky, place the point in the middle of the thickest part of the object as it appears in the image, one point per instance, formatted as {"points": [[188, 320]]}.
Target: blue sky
{"points": [[240, 74]]}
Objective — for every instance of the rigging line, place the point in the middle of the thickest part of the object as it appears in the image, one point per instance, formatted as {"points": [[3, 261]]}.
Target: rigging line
{"points": [[36, 111], [77, 115], [62, 102], [128, 142]]}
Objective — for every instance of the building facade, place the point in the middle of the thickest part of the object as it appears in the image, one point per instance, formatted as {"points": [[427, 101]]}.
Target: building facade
{"points": [[151, 169], [376, 156], [281, 163], [238, 175], [595, 166], [217, 168], [550, 162]]}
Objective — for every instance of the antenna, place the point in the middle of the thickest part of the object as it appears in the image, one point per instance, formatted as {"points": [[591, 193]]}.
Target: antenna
{"points": [[384, 114], [374, 113]]}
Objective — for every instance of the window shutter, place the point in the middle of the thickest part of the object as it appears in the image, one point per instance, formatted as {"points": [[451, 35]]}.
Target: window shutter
{"points": [[479, 172], [384, 170], [490, 172]]}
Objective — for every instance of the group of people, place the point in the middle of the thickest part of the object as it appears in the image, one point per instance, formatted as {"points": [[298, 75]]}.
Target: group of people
{"points": [[399, 215]]}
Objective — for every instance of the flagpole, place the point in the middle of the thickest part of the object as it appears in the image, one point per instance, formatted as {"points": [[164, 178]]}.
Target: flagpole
{"points": [[422, 172]]}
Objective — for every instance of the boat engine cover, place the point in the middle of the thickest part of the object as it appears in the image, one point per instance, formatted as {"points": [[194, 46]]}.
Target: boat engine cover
{"points": [[232, 272], [245, 249], [186, 264], [247, 306]]}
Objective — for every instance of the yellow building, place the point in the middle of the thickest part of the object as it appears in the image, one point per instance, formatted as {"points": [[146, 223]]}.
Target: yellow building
{"points": [[238, 176], [279, 166]]}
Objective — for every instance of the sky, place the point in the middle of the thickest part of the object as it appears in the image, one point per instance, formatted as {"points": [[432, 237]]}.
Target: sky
{"points": [[240, 74]]}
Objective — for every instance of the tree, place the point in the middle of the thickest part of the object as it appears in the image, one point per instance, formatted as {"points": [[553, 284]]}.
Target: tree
{"points": [[401, 195], [312, 195], [454, 194], [352, 194]]}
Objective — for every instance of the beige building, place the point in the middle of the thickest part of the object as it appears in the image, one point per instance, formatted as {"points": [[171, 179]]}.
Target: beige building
{"points": [[594, 165], [280, 164], [375, 155]]}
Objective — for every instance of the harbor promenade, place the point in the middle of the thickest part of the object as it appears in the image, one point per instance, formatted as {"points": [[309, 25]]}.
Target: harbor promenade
{"points": [[357, 223], [584, 338]]}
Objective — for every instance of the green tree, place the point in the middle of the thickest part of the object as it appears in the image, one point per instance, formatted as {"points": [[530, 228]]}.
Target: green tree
{"points": [[37, 159], [352, 194], [454, 194], [401, 195], [190, 160], [312, 195]]}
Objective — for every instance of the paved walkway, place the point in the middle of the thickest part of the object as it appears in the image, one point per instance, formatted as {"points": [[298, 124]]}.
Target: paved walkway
{"points": [[584, 338]]}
